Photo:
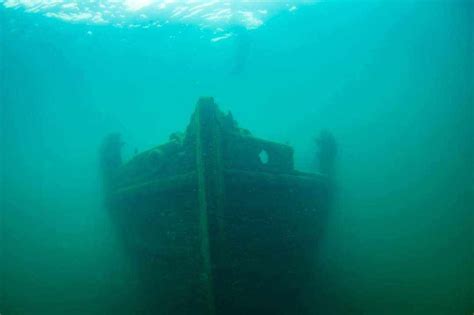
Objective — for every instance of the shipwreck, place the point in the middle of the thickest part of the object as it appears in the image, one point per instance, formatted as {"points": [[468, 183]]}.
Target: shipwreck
{"points": [[218, 221]]}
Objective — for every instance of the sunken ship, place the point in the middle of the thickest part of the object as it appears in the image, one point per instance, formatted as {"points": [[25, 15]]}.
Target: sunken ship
{"points": [[217, 220]]}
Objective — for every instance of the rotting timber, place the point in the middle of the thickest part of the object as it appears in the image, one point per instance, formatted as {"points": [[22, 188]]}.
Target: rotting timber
{"points": [[221, 220]]}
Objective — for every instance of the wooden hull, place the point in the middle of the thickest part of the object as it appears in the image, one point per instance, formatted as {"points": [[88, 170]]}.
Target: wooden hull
{"points": [[216, 229]]}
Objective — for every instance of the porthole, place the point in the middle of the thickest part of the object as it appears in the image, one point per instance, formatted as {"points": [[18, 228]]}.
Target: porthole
{"points": [[263, 156]]}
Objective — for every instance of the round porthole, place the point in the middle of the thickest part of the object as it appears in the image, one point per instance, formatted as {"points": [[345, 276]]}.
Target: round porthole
{"points": [[263, 156]]}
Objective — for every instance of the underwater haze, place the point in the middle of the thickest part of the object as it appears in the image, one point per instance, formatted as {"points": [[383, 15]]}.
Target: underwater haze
{"points": [[393, 81]]}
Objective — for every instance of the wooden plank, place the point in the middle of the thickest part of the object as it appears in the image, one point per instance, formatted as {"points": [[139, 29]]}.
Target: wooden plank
{"points": [[177, 182], [272, 179]]}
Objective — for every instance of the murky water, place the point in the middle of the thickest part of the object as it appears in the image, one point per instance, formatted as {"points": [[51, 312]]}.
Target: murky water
{"points": [[392, 81]]}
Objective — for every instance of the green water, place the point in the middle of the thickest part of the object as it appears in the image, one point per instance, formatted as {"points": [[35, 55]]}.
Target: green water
{"points": [[392, 80]]}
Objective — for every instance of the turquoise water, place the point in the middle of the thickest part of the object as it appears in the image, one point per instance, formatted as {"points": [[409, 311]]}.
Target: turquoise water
{"points": [[393, 81]]}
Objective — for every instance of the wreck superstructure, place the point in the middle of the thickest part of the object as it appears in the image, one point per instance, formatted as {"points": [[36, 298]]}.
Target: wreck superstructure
{"points": [[221, 219]]}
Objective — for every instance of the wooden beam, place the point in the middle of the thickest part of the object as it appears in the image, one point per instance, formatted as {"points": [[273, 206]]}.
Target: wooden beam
{"points": [[210, 184]]}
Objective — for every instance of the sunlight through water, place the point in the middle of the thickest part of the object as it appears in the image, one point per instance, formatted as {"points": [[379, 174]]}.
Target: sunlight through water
{"points": [[215, 14]]}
